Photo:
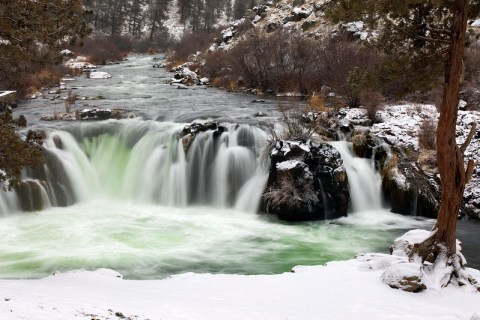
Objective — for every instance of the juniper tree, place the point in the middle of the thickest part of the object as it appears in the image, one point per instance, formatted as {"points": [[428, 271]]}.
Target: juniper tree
{"points": [[17, 152], [429, 34], [31, 32]]}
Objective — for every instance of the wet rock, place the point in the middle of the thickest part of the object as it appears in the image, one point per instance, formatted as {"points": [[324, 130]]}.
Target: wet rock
{"points": [[187, 141], [411, 191], [306, 182], [30, 195], [95, 114]]}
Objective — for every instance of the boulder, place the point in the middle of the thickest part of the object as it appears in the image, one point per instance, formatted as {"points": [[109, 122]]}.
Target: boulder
{"points": [[306, 182], [99, 75], [95, 114], [190, 131], [404, 276]]}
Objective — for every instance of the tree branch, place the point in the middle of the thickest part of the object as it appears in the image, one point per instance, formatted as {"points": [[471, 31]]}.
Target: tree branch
{"points": [[467, 142]]}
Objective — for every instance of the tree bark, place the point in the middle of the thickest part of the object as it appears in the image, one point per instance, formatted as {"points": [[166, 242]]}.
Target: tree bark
{"points": [[450, 158]]}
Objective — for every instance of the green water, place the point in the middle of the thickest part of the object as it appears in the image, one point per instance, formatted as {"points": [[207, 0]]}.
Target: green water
{"points": [[150, 242]]}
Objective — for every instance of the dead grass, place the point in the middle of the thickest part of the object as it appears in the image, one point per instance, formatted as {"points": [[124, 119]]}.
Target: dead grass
{"points": [[317, 103]]}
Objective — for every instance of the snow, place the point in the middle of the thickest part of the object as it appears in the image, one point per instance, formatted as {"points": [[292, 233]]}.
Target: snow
{"points": [[340, 290], [66, 52], [289, 164], [99, 75], [400, 125]]}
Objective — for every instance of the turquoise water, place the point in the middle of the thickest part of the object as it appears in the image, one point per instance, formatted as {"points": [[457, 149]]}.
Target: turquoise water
{"points": [[149, 242]]}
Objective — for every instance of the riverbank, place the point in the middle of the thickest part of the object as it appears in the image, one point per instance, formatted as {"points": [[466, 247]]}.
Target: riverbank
{"points": [[340, 290]]}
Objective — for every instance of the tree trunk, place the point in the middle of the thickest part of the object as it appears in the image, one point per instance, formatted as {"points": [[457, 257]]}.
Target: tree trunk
{"points": [[450, 158]]}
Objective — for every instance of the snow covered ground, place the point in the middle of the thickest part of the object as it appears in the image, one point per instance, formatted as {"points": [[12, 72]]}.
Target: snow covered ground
{"points": [[340, 290]]}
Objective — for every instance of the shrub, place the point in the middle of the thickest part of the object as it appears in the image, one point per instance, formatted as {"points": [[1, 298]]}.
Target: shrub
{"points": [[427, 134], [192, 42], [372, 101], [104, 49], [289, 193], [45, 77]]}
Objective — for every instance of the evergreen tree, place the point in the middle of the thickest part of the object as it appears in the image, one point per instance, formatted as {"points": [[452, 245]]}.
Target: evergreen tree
{"points": [[239, 9], [17, 152], [32, 32]]}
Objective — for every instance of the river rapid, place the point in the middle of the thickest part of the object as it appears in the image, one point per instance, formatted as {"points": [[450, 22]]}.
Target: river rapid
{"points": [[124, 195]]}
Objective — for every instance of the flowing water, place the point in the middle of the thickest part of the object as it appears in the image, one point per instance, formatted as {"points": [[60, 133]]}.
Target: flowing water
{"points": [[125, 195]]}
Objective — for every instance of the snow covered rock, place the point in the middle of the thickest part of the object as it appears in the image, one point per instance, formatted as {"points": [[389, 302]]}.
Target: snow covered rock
{"points": [[405, 276], [95, 114], [99, 75], [403, 245], [66, 52], [306, 182]]}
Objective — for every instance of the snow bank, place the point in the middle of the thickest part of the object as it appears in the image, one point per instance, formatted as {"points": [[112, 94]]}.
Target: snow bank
{"points": [[339, 290]]}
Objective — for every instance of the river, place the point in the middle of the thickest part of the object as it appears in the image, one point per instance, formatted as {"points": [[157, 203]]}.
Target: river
{"points": [[124, 195]]}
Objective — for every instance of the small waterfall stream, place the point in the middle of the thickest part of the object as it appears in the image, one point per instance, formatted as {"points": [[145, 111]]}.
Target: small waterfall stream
{"points": [[364, 180]]}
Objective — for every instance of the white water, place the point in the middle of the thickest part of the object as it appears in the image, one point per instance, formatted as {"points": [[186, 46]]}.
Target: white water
{"points": [[365, 183], [125, 196], [144, 162]]}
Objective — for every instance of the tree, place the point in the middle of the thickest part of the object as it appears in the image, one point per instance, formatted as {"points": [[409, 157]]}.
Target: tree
{"points": [[429, 31], [32, 32], [158, 13], [17, 152]]}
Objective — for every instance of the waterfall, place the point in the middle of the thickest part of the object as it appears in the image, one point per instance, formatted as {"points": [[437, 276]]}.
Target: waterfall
{"points": [[364, 180], [145, 162]]}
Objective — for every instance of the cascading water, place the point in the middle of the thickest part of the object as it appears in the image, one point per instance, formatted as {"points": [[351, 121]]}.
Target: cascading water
{"points": [[145, 162], [125, 195], [363, 179]]}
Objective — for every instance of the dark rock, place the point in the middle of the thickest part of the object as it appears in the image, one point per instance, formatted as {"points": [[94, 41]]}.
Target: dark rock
{"points": [[272, 26], [411, 191], [95, 114], [306, 182], [30, 196]]}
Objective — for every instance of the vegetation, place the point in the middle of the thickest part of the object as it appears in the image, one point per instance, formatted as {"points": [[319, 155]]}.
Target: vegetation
{"points": [[285, 62], [17, 152], [32, 34], [146, 18]]}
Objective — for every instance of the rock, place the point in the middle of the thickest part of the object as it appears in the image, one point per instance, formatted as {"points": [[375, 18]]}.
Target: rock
{"points": [[196, 127], [298, 14], [404, 276], [272, 26], [411, 191], [187, 141], [99, 75], [30, 195], [403, 245], [260, 114], [306, 182], [95, 114]]}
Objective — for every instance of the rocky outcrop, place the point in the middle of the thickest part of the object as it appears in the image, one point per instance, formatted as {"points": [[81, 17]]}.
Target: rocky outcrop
{"points": [[190, 131], [411, 191], [307, 181]]}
